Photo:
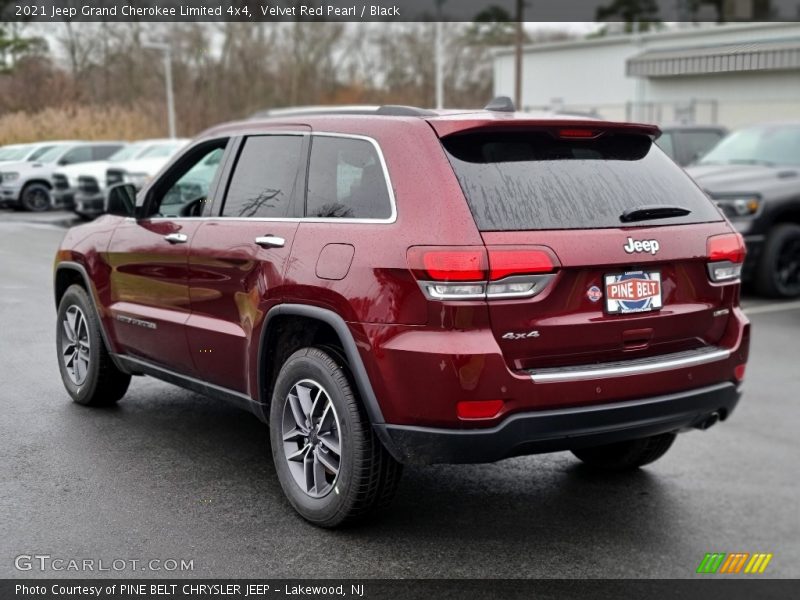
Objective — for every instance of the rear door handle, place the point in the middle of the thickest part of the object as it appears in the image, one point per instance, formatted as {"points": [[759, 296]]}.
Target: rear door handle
{"points": [[176, 238], [270, 241]]}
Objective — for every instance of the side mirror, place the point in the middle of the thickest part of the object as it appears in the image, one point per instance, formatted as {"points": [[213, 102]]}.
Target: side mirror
{"points": [[63, 162], [122, 200]]}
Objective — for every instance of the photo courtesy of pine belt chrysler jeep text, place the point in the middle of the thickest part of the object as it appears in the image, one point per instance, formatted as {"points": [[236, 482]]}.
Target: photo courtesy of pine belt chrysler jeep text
{"points": [[406, 286]]}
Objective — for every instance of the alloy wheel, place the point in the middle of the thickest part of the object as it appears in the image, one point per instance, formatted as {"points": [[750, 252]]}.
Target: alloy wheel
{"points": [[311, 438], [37, 200], [787, 268], [75, 345]]}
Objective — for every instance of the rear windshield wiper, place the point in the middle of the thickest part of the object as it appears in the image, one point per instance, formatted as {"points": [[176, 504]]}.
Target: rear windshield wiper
{"points": [[645, 213]]}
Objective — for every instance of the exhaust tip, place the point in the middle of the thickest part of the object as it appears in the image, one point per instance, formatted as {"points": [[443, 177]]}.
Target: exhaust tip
{"points": [[708, 422]]}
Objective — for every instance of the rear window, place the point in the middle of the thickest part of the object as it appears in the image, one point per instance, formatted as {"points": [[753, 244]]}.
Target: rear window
{"points": [[532, 180]]}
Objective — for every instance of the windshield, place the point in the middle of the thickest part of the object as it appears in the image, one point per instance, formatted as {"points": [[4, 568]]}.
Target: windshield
{"points": [[52, 154], [771, 145], [533, 180], [161, 150], [38, 153], [126, 152], [14, 152]]}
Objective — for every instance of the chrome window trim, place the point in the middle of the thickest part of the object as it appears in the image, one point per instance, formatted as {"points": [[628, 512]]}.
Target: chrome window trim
{"points": [[392, 200], [643, 367]]}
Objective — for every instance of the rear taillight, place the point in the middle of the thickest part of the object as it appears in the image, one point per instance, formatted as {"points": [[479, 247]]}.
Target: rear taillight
{"points": [[726, 254], [471, 273]]}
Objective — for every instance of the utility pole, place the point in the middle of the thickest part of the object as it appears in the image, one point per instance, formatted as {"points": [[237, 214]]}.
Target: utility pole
{"points": [[165, 48], [439, 57], [518, 56]]}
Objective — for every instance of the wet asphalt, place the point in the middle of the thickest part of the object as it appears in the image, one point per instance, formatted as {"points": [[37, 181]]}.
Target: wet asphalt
{"points": [[169, 474]]}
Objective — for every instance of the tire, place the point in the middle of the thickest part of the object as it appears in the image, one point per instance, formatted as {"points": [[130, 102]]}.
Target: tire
{"points": [[90, 377], [323, 490], [35, 197], [779, 268], [626, 456]]}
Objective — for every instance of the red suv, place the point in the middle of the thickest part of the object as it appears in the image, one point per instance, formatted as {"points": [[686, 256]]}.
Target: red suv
{"points": [[408, 286]]}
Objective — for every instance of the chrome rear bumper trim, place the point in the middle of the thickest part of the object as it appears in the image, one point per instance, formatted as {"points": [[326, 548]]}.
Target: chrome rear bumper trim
{"points": [[641, 366]]}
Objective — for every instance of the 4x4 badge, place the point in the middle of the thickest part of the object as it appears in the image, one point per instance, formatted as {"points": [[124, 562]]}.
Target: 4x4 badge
{"points": [[632, 246]]}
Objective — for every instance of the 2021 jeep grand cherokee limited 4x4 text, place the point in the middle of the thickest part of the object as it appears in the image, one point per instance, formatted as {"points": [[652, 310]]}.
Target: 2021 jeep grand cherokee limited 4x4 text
{"points": [[415, 287]]}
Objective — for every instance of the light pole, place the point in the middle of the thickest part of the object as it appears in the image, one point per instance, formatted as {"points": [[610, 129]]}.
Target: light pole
{"points": [[439, 56], [165, 48], [518, 41]]}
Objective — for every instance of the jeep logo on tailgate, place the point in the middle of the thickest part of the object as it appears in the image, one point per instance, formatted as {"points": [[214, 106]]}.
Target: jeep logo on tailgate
{"points": [[632, 246]]}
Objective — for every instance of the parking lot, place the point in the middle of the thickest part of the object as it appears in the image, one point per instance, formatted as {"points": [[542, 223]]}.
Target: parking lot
{"points": [[169, 474]]}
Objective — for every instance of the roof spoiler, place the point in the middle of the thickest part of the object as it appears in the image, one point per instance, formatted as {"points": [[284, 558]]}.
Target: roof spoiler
{"points": [[445, 127]]}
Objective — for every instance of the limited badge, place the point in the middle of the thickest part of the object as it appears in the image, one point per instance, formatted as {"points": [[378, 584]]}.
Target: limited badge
{"points": [[594, 294]]}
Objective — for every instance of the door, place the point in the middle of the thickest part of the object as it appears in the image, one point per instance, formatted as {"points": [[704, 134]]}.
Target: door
{"points": [[239, 257], [148, 258]]}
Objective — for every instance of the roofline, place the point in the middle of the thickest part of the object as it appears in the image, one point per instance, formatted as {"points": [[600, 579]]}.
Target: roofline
{"points": [[630, 38]]}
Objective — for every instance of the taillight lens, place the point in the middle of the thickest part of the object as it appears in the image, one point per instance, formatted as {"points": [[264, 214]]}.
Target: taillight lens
{"points": [[726, 254], [465, 273], [519, 261], [451, 264]]}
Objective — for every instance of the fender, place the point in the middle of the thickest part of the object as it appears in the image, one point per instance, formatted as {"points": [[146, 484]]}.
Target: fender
{"points": [[354, 361], [92, 293]]}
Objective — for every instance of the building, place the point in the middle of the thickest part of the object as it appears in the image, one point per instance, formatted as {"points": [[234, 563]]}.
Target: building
{"points": [[713, 74]]}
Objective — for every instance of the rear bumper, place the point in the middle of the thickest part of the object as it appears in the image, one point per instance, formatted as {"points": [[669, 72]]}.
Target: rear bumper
{"points": [[562, 429]]}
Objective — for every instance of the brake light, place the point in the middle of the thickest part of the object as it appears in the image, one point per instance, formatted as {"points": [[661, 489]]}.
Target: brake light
{"points": [[478, 409], [455, 265], [738, 372], [467, 273], [726, 254], [578, 134], [503, 263]]}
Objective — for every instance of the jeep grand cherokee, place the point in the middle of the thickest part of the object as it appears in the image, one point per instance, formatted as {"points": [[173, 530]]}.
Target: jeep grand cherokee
{"points": [[409, 286]]}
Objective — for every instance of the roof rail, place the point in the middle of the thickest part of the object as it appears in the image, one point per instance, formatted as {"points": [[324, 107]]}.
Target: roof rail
{"points": [[501, 104], [389, 110], [397, 110]]}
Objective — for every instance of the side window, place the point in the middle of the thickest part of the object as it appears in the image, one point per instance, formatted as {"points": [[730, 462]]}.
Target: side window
{"points": [[186, 196], [263, 181], [76, 155], [104, 151], [346, 180], [38, 152]]}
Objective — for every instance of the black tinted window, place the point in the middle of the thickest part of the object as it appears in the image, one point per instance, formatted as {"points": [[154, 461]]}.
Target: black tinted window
{"points": [[532, 180], [263, 180], [346, 180]]}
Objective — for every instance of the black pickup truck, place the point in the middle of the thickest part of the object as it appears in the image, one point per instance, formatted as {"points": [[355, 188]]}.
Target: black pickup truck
{"points": [[754, 176]]}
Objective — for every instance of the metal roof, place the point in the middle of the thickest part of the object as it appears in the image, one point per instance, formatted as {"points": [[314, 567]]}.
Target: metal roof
{"points": [[728, 58]]}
